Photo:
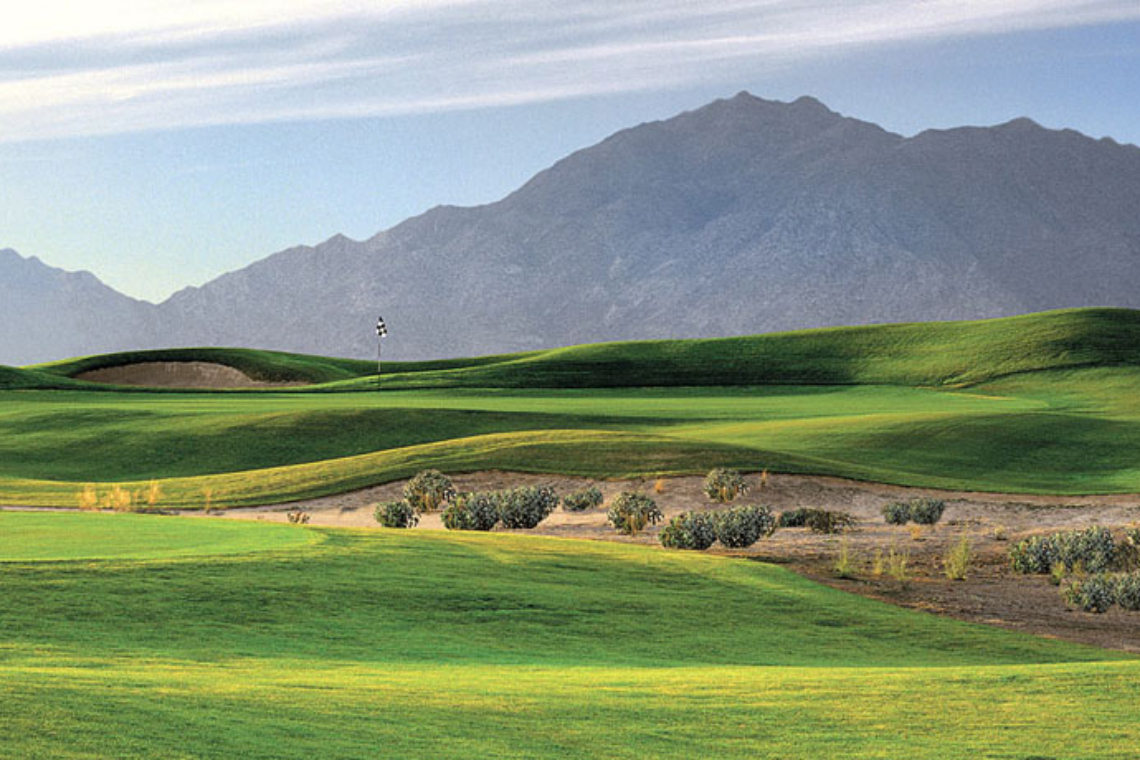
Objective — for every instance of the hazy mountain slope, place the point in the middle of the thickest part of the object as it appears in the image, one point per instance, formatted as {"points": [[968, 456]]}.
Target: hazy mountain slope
{"points": [[744, 216], [47, 313], [740, 217]]}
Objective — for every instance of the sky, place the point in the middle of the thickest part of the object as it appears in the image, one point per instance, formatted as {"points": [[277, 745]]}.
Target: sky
{"points": [[160, 144]]}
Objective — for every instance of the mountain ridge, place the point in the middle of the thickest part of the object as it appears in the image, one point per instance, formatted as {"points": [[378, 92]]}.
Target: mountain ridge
{"points": [[742, 216]]}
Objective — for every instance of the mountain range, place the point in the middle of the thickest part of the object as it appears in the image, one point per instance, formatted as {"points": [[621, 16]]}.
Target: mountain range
{"points": [[744, 216]]}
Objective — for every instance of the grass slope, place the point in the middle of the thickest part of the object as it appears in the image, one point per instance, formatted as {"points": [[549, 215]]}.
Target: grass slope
{"points": [[1058, 414], [459, 645], [916, 354]]}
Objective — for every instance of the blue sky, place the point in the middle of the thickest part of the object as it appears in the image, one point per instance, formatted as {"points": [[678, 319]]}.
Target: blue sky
{"points": [[159, 144]]}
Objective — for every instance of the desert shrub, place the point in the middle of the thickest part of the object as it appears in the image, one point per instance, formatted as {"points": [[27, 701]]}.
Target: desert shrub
{"points": [[897, 513], [583, 499], [396, 514], [526, 507], [472, 511], [926, 511], [1095, 593], [844, 565], [956, 563], [1034, 555], [689, 530], [793, 518], [740, 527], [898, 564], [428, 491], [1128, 591], [725, 485], [816, 520], [631, 511], [1092, 549], [88, 497], [298, 517]]}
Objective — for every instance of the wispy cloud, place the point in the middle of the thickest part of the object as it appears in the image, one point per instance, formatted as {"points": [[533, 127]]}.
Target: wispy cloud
{"points": [[112, 66]]}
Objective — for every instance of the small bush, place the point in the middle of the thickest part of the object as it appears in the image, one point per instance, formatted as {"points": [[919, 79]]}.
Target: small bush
{"points": [[897, 513], [927, 511], [823, 521], [725, 485], [472, 511], [88, 497], [898, 563], [956, 563], [396, 514], [581, 500], [1092, 549], [689, 530], [630, 512], [298, 517], [526, 507], [740, 527], [428, 491], [844, 565], [1034, 555], [1096, 593], [1000, 534], [1128, 591]]}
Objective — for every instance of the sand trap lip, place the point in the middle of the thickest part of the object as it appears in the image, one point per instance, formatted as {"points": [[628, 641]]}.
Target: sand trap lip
{"points": [[190, 374]]}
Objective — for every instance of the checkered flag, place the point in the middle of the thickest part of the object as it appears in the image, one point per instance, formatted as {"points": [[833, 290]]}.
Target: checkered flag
{"points": [[381, 328]]}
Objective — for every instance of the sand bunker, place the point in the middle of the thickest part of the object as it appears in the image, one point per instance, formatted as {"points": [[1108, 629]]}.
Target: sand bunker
{"points": [[177, 375]]}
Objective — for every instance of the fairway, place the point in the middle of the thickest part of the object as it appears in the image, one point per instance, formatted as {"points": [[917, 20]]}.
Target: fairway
{"points": [[46, 536], [455, 645], [1054, 425]]}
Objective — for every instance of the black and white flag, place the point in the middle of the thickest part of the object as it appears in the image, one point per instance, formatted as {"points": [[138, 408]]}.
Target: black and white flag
{"points": [[381, 328]]}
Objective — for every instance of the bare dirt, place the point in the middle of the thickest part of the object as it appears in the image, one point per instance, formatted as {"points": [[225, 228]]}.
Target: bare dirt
{"points": [[991, 593], [177, 375]]}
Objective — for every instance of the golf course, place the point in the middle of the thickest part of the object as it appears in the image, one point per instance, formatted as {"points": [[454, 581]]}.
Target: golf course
{"points": [[127, 634]]}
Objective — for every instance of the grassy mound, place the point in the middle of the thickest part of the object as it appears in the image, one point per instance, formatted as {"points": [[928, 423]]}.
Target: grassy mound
{"points": [[917, 354], [449, 645]]}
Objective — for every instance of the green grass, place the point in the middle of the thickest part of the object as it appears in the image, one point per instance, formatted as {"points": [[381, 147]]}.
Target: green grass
{"points": [[48, 536], [1039, 404], [382, 643]]}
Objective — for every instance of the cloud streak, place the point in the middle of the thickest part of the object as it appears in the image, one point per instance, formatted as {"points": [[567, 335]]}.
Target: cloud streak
{"points": [[124, 65]]}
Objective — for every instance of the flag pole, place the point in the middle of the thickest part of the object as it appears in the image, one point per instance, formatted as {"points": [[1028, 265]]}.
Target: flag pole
{"points": [[381, 333]]}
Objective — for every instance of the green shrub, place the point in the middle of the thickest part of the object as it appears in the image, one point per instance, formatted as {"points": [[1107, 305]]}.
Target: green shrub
{"points": [[1035, 555], [428, 491], [472, 511], [1128, 591], [725, 485], [897, 513], [956, 563], [1092, 549], [581, 500], [689, 530], [824, 521], [396, 514], [740, 527], [631, 511], [1096, 593], [926, 511], [526, 507]]}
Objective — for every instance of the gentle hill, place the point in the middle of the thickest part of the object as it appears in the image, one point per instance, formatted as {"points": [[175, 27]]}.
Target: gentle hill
{"points": [[268, 366], [917, 354], [460, 646]]}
